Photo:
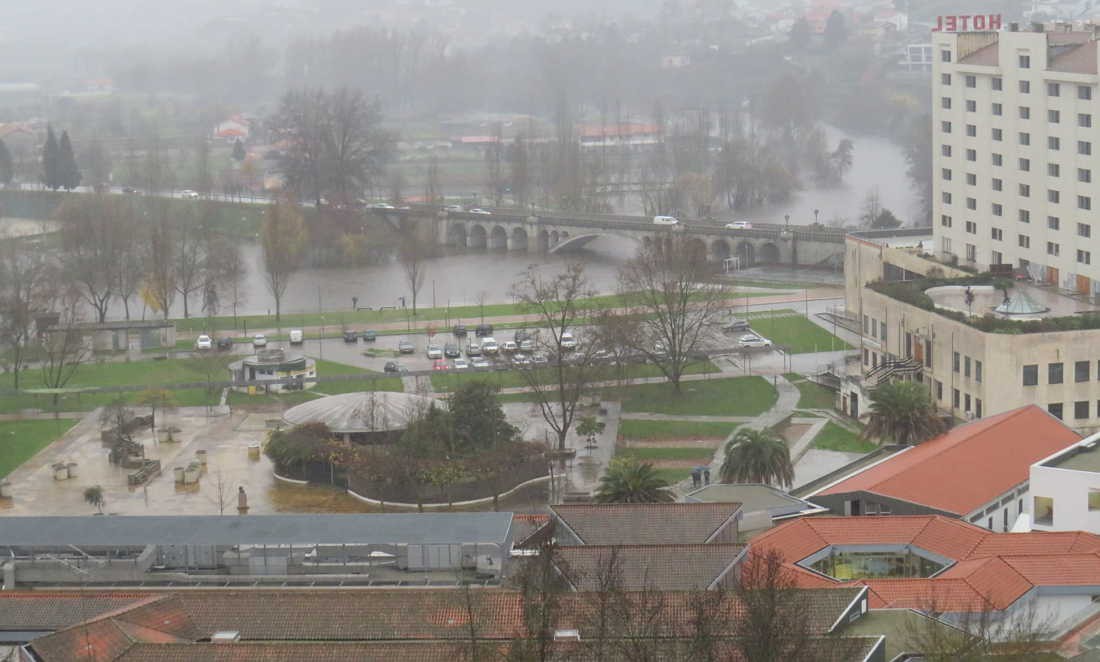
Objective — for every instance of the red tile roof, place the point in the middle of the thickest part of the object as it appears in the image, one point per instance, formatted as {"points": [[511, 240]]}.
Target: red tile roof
{"points": [[943, 473], [993, 569]]}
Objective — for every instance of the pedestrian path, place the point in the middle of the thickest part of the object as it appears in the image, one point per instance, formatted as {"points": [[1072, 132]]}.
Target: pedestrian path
{"points": [[694, 419]]}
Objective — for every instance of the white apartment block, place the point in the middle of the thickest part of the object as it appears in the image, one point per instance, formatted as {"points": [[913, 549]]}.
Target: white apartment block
{"points": [[1065, 489], [1016, 153]]}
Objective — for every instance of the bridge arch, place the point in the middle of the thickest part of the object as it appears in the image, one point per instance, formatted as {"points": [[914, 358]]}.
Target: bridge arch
{"points": [[719, 250], [498, 238], [544, 241], [518, 240], [769, 253], [456, 234], [697, 248], [747, 252], [477, 237]]}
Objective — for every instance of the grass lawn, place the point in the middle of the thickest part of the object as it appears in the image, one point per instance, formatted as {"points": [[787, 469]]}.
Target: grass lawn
{"points": [[738, 396], [449, 381], [813, 396], [20, 440], [701, 455], [835, 438], [797, 333], [663, 430], [673, 476]]}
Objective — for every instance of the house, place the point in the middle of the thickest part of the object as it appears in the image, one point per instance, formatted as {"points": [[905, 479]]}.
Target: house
{"points": [[645, 524], [977, 472], [1065, 489], [237, 127], [944, 566]]}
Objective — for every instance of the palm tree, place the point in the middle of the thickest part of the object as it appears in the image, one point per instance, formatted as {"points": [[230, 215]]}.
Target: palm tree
{"points": [[94, 496], [758, 456], [903, 412], [629, 480]]}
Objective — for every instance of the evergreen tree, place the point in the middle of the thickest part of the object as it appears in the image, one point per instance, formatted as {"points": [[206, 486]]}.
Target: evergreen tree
{"points": [[238, 150], [49, 160], [68, 172], [7, 168]]}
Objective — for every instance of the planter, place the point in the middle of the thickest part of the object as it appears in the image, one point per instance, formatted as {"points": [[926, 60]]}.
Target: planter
{"points": [[60, 471], [201, 457], [5, 489], [177, 473], [254, 452], [72, 469]]}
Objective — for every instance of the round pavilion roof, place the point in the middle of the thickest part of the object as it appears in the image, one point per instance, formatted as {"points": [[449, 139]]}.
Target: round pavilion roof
{"points": [[369, 411]]}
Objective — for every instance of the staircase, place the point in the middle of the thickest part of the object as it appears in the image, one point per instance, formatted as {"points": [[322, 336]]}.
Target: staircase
{"points": [[888, 370]]}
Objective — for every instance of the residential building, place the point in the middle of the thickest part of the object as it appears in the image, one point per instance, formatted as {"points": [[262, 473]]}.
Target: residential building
{"points": [[947, 567], [977, 472], [1016, 146], [1065, 489]]}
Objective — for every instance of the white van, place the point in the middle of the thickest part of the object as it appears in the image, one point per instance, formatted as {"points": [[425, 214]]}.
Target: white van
{"points": [[489, 345], [665, 220], [296, 337]]}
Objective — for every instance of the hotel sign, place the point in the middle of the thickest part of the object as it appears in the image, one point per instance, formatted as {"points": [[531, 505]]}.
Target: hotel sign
{"points": [[968, 23]]}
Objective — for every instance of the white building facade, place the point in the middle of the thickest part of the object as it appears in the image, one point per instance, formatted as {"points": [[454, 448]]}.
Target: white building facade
{"points": [[1016, 153], [1065, 489]]}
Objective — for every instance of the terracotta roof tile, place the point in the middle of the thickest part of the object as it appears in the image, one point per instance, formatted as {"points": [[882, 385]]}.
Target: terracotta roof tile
{"points": [[1036, 542], [657, 567], [649, 524], [51, 610], [950, 537], [1067, 570], [992, 580], [940, 473], [92, 642]]}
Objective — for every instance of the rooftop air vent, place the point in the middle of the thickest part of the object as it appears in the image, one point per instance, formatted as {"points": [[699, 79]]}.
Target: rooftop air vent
{"points": [[225, 637], [567, 635]]}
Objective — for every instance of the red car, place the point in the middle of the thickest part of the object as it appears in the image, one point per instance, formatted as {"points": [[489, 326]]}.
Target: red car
{"points": [[440, 364]]}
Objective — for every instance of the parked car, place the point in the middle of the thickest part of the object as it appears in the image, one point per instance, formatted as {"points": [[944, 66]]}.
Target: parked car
{"points": [[479, 210], [489, 345], [225, 342], [129, 189], [370, 336], [568, 340], [455, 208], [520, 335], [259, 340], [440, 364], [451, 351], [739, 225], [435, 352], [751, 341], [665, 220], [539, 359], [380, 205], [460, 363], [483, 330], [405, 346], [521, 360], [735, 325], [189, 194], [459, 331], [393, 367], [527, 345], [659, 349], [481, 363], [509, 346], [204, 342], [351, 336], [296, 337], [473, 349]]}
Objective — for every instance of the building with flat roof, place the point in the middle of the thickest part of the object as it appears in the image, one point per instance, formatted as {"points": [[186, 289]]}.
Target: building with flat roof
{"points": [[372, 549], [1065, 489], [977, 472]]}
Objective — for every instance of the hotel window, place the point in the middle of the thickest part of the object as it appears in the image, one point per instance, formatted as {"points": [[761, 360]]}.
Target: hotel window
{"points": [[939, 390], [1025, 60], [1024, 164], [971, 179], [966, 402], [998, 209], [946, 174], [977, 371], [1053, 249], [1084, 148], [1024, 241], [1094, 500], [971, 106], [971, 81], [1084, 175], [955, 361], [998, 160], [966, 366], [928, 354], [945, 150], [1084, 202], [1084, 230], [1084, 92], [946, 197], [945, 220], [997, 109], [1053, 223], [971, 253], [1081, 409], [1025, 138], [1055, 409], [1025, 87], [946, 243], [1053, 116], [971, 203], [977, 407], [1025, 113], [955, 398], [997, 234], [945, 79], [1025, 216], [945, 56], [996, 258], [1084, 257], [972, 227], [1084, 120], [1025, 190], [1054, 170], [945, 127], [1054, 373], [971, 155], [1054, 89], [998, 135], [945, 103], [971, 131], [1081, 371], [1031, 375], [1054, 143], [996, 83], [996, 184], [1042, 509], [1053, 196]]}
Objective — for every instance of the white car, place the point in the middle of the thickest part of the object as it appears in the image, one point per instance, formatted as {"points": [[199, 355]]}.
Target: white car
{"points": [[665, 220], [508, 346], [489, 345], [435, 352], [739, 225], [204, 342], [749, 341], [481, 363], [568, 341], [461, 364], [189, 194], [382, 205], [479, 210], [296, 337], [455, 208], [259, 340], [521, 359]]}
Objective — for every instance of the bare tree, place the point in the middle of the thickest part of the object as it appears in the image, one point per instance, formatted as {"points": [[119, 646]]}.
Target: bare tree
{"points": [[432, 187], [541, 589], [159, 285], [27, 285], [283, 237], [669, 291], [92, 232], [981, 633], [413, 255], [557, 301], [63, 349], [192, 237]]}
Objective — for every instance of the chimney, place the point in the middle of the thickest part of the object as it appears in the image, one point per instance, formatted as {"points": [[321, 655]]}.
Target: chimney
{"points": [[225, 637]]}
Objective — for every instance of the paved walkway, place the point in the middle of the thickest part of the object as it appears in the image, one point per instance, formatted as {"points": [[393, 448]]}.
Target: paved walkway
{"points": [[697, 419]]}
